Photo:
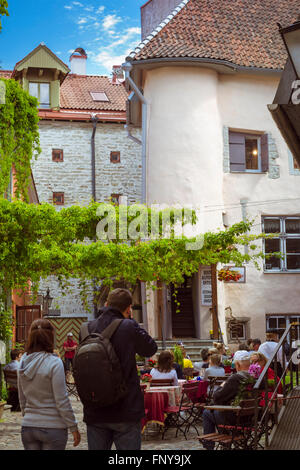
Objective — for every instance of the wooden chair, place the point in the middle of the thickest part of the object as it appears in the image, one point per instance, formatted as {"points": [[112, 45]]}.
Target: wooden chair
{"points": [[161, 382], [235, 436], [183, 417], [71, 386], [213, 383]]}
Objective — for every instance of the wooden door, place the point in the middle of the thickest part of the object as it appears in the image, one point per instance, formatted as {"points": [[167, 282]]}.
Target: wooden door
{"points": [[183, 322], [24, 317]]}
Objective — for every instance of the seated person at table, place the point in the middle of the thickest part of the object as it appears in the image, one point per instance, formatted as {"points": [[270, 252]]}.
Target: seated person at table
{"points": [[261, 360], [215, 368], [164, 368], [224, 395], [205, 360], [13, 397], [220, 347]]}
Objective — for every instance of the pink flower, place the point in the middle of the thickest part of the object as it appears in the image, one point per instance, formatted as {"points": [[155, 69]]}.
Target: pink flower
{"points": [[254, 370]]}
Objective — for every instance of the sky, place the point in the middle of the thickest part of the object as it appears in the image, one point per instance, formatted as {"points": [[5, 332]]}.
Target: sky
{"points": [[108, 30]]}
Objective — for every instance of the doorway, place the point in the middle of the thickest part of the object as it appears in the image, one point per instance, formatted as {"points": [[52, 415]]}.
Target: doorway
{"points": [[183, 321]]}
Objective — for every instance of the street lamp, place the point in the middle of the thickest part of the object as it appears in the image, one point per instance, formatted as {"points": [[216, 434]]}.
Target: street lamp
{"points": [[47, 301], [291, 39]]}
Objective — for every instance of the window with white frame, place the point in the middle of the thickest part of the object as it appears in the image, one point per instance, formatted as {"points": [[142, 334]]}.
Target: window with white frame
{"points": [[280, 322], [286, 241], [41, 91]]}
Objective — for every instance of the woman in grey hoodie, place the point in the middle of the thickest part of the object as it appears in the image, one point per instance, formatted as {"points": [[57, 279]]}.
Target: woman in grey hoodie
{"points": [[45, 405]]}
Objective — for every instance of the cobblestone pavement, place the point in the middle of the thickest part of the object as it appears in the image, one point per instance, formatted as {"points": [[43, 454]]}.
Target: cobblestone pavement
{"points": [[10, 434]]}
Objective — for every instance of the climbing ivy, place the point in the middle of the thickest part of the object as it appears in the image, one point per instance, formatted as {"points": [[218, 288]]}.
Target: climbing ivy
{"points": [[37, 241], [19, 137]]}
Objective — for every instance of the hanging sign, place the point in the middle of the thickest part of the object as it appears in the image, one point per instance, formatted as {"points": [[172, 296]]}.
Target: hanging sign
{"points": [[206, 288]]}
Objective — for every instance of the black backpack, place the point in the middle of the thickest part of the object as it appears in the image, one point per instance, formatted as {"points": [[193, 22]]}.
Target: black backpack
{"points": [[96, 368]]}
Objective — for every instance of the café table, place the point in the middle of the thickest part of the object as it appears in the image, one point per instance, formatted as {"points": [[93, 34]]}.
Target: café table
{"points": [[155, 405], [174, 393]]}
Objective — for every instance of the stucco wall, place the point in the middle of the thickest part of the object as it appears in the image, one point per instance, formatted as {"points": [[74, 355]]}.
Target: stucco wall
{"points": [[189, 111]]}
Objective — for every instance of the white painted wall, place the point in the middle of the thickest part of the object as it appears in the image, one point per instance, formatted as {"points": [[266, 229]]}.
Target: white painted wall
{"points": [[189, 108]]}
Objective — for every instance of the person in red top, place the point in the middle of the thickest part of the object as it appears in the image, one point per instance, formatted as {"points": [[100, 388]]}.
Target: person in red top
{"points": [[70, 348]]}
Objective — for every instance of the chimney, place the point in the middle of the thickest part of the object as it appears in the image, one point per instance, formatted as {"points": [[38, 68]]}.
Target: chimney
{"points": [[154, 12], [78, 61], [117, 74]]}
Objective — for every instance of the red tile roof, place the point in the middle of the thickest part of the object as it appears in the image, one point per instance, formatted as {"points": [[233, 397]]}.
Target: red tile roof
{"points": [[76, 102], [243, 32], [5, 73], [75, 93]]}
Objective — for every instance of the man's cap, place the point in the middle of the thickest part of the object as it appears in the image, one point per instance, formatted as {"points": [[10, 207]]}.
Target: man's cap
{"points": [[70, 334], [242, 356]]}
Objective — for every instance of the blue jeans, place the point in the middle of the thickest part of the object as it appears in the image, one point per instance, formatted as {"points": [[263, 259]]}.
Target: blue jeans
{"points": [[44, 438], [210, 419], [125, 436]]}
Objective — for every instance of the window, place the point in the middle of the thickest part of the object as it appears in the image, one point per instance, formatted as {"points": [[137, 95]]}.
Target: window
{"points": [[281, 321], [238, 331], [99, 96], [57, 155], [41, 91], [287, 243], [248, 152], [115, 198], [115, 157], [59, 199]]}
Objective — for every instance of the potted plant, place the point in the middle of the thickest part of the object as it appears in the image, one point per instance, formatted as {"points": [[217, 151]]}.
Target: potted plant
{"points": [[227, 365], [152, 363], [178, 355], [227, 275], [146, 379]]}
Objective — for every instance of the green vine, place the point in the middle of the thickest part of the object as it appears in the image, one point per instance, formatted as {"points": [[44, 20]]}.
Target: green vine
{"points": [[3, 10], [19, 137]]}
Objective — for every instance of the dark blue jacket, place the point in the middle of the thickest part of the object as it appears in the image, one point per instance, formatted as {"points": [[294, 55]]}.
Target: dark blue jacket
{"points": [[127, 341]]}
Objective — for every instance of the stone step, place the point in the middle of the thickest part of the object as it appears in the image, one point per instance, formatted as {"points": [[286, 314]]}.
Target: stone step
{"points": [[192, 346]]}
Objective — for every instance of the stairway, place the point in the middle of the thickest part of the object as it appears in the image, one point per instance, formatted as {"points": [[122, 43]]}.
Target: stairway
{"points": [[286, 435], [192, 346]]}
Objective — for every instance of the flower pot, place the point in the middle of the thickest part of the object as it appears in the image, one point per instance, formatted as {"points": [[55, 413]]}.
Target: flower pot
{"points": [[2, 405]]}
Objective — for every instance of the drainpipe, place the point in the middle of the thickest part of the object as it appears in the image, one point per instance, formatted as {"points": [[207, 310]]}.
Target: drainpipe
{"points": [[94, 120], [127, 67], [136, 91]]}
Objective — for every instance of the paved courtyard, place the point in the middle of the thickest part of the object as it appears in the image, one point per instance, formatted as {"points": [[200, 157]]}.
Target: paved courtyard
{"points": [[10, 434]]}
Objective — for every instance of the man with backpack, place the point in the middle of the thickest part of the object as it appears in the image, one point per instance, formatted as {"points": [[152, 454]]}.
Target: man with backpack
{"points": [[106, 376]]}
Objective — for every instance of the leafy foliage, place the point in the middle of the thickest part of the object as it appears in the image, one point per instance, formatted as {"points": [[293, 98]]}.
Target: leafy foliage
{"points": [[19, 137], [3, 10], [37, 241]]}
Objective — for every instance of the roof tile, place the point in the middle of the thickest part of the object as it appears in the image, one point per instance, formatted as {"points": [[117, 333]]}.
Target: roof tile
{"points": [[243, 32]]}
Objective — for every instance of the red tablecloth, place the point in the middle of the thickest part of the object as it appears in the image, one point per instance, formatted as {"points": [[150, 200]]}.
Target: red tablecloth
{"points": [[155, 405]]}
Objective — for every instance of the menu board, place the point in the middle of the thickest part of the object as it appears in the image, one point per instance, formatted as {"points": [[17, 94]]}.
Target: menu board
{"points": [[206, 287]]}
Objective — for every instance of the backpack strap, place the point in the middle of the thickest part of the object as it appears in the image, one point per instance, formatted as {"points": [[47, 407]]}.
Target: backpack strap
{"points": [[84, 331], [109, 331]]}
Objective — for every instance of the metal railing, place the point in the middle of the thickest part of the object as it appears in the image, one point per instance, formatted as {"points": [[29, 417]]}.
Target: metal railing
{"points": [[266, 416]]}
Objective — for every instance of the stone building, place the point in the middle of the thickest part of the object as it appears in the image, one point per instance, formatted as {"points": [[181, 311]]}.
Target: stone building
{"points": [[86, 153]]}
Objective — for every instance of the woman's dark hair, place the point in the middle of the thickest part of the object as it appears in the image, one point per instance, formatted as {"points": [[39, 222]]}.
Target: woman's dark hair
{"points": [[205, 354], [165, 361], [41, 337], [243, 347]]}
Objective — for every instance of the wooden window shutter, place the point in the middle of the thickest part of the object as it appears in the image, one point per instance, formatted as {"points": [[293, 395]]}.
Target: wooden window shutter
{"points": [[264, 149], [237, 151]]}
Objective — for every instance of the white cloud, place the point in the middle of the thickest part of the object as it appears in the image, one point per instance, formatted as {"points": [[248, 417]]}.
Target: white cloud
{"points": [[77, 4], [110, 21], [100, 9], [82, 21], [68, 7]]}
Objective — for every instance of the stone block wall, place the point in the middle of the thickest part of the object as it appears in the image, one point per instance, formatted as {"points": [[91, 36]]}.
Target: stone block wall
{"points": [[73, 177]]}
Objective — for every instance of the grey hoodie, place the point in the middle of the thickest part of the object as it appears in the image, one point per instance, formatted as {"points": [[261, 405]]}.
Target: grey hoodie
{"points": [[43, 394]]}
